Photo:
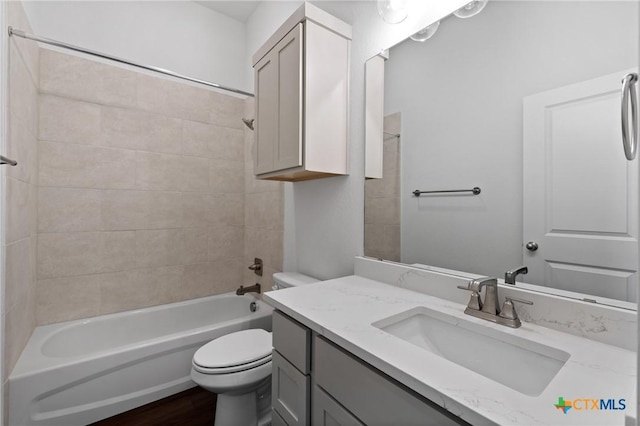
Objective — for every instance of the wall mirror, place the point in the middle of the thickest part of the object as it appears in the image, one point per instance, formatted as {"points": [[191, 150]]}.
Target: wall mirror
{"points": [[523, 102]]}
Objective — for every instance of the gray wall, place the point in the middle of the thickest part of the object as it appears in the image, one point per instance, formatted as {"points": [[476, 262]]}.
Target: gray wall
{"points": [[460, 94]]}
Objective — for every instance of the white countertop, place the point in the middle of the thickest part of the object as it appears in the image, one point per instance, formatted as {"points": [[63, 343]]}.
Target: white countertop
{"points": [[342, 310]]}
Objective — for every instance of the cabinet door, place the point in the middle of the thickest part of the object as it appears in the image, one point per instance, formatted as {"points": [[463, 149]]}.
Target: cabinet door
{"points": [[327, 412], [278, 82], [289, 392]]}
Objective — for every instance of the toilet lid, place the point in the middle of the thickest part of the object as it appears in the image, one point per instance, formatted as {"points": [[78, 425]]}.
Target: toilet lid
{"points": [[234, 349]]}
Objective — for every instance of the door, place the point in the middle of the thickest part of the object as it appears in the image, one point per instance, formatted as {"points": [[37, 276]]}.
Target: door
{"points": [[278, 83], [580, 193]]}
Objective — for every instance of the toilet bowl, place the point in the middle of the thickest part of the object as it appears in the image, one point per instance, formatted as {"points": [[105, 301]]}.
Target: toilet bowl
{"points": [[237, 367]]}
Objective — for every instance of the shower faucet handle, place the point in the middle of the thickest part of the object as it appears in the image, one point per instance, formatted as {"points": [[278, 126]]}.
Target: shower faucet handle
{"points": [[257, 266]]}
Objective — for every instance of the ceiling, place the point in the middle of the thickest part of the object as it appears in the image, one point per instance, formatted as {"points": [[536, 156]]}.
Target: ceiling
{"points": [[237, 9]]}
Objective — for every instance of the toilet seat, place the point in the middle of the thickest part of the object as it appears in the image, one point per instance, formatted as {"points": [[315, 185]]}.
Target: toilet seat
{"points": [[234, 352]]}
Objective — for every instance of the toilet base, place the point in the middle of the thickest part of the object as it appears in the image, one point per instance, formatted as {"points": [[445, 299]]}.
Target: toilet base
{"points": [[243, 409]]}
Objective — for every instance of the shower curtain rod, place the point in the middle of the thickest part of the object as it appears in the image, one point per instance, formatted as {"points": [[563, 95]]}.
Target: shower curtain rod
{"points": [[14, 32]]}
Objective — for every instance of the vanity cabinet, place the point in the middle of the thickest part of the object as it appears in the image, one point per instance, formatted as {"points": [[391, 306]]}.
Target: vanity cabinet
{"points": [[332, 387], [290, 378], [302, 98]]}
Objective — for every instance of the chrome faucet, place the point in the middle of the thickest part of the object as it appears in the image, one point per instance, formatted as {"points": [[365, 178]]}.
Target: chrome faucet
{"points": [[251, 289], [489, 309], [510, 276]]}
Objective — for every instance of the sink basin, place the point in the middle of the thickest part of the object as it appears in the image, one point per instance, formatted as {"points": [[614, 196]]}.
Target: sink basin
{"points": [[522, 365]]}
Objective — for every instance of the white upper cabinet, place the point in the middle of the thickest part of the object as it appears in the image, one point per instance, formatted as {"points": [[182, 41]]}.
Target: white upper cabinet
{"points": [[302, 98]]}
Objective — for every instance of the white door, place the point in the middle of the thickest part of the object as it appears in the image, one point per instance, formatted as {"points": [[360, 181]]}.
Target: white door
{"points": [[580, 193]]}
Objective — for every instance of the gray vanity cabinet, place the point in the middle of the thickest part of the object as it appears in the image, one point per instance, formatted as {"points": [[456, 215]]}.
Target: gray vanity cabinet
{"points": [[316, 382], [290, 378]]}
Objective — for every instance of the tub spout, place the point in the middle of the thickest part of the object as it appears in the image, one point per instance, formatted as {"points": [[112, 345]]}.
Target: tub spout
{"points": [[251, 289]]}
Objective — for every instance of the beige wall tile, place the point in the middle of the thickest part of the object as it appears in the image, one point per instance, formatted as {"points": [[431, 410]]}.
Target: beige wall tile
{"points": [[23, 92], [382, 211], [158, 171], [19, 272], [226, 176], [195, 174], [172, 98], [121, 291], [63, 299], [131, 210], [163, 247], [67, 120], [228, 209], [19, 323], [165, 210], [69, 210], [197, 210], [227, 144], [226, 243], [118, 251], [265, 244], [167, 282], [196, 138], [138, 130], [124, 210], [197, 280], [29, 51], [69, 254], [196, 249], [225, 110], [83, 79], [80, 166], [227, 276], [264, 210], [382, 241], [22, 147], [20, 206]]}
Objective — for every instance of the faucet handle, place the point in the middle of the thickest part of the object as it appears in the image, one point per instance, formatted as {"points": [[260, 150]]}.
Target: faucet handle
{"points": [[474, 303], [508, 310]]}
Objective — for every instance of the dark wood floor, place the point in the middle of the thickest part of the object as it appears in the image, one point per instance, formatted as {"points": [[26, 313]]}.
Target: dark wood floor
{"points": [[193, 407]]}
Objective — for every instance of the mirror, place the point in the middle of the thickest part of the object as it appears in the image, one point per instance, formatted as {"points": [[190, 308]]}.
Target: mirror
{"points": [[522, 101]]}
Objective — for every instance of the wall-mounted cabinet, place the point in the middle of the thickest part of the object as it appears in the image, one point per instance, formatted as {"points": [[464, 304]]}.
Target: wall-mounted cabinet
{"points": [[302, 98]]}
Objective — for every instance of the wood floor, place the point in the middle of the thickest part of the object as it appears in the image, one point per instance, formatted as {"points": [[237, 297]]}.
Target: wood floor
{"points": [[193, 407]]}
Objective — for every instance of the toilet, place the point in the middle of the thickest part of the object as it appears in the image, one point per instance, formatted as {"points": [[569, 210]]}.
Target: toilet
{"points": [[237, 367]]}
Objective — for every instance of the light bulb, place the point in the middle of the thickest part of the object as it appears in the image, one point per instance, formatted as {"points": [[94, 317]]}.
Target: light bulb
{"points": [[426, 33], [471, 9], [392, 11]]}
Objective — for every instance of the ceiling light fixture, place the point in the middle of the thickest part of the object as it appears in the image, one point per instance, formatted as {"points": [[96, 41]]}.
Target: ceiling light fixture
{"points": [[426, 33], [471, 9], [392, 11]]}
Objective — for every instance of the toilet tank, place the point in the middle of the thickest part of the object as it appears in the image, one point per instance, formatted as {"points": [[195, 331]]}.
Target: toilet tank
{"points": [[291, 279]]}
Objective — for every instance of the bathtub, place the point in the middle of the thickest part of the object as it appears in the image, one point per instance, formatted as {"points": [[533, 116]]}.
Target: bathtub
{"points": [[82, 371]]}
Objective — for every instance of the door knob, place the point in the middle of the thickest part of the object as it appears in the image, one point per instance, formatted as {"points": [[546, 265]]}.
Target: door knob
{"points": [[532, 246]]}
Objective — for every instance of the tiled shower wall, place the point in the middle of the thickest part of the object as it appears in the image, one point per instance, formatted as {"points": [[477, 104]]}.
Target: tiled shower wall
{"points": [[20, 192], [141, 197], [382, 199], [263, 220]]}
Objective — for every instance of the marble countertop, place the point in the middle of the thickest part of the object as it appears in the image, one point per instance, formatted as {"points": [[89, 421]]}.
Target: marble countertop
{"points": [[343, 309]]}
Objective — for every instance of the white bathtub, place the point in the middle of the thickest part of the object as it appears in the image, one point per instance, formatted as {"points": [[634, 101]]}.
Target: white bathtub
{"points": [[79, 372]]}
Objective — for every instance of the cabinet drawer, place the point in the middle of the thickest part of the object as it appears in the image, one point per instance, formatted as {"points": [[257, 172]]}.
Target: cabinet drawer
{"points": [[292, 340], [290, 392], [372, 397], [327, 412]]}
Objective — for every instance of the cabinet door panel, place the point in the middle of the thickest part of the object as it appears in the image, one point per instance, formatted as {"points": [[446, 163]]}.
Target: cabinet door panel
{"points": [[372, 397], [289, 145], [266, 130], [327, 412], [276, 420], [290, 392]]}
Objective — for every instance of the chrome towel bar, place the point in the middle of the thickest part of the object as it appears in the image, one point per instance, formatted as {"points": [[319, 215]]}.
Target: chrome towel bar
{"points": [[476, 190], [5, 160]]}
